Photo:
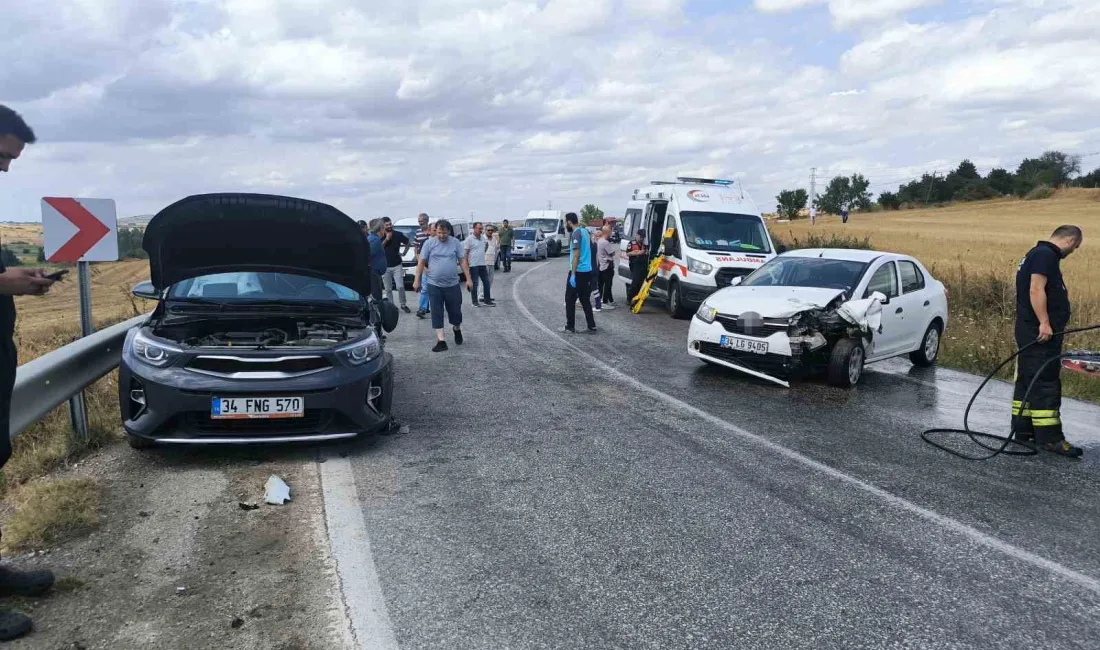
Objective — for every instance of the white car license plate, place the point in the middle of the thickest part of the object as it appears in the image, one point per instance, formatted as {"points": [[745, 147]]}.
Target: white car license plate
{"points": [[233, 408], [745, 345]]}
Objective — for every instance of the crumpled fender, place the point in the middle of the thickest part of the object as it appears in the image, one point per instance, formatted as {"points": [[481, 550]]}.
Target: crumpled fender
{"points": [[866, 314]]}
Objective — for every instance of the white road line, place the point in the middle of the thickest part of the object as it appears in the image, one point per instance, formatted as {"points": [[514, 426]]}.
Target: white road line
{"points": [[975, 535], [364, 605]]}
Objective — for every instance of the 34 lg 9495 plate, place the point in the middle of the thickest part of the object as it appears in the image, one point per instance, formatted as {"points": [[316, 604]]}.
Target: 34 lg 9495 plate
{"points": [[225, 408]]}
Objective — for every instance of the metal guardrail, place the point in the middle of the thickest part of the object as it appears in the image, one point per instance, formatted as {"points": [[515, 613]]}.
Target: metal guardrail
{"points": [[49, 381]]}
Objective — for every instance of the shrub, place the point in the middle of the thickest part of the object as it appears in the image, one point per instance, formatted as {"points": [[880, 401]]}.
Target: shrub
{"points": [[832, 240], [1039, 193]]}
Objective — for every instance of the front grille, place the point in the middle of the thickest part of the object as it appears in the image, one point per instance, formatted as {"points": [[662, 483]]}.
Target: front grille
{"points": [[312, 421], [770, 364], [228, 366], [734, 325], [726, 275]]}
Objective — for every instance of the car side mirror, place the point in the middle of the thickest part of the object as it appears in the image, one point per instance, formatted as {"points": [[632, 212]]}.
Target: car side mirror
{"points": [[736, 281], [145, 291], [881, 297]]}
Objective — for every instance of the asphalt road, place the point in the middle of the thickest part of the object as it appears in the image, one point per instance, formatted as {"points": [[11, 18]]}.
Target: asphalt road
{"points": [[608, 491]]}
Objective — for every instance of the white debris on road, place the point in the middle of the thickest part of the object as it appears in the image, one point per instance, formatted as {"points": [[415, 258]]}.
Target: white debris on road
{"points": [[276, 492]]}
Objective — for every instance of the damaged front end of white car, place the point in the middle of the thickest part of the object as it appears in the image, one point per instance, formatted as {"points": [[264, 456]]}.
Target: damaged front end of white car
{"points": [[804, 336]]}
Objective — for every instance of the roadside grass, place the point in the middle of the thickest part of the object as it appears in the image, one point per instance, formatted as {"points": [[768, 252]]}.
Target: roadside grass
{"points": [[50, 511], [47, 444], [974, 249]]}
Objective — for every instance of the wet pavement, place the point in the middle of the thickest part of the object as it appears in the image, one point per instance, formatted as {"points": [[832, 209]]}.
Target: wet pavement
{"points": [[609, 491]]}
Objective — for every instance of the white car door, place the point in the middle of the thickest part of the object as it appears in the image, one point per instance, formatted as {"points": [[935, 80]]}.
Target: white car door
{"points": [[892, 338], [917, 303]]}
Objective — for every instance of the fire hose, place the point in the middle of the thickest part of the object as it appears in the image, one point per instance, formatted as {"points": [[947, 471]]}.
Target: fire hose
{"points": [[1085, 360]]}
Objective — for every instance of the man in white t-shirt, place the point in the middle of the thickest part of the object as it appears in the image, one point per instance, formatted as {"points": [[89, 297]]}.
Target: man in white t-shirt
{"points": [[475, 246]]}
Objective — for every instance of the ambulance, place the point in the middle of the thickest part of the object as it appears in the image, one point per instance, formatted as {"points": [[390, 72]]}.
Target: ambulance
{"points": [[719, 234]]}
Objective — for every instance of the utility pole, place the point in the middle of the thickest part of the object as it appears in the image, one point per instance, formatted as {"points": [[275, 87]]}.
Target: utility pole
{"points": [[813, 194], [549, 205], [928, 195]]}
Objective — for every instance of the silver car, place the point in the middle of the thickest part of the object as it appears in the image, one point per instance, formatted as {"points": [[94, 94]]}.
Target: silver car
{"points": [[530, 244]]}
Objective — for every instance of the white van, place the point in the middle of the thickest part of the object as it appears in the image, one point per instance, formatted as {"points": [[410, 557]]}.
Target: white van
{"points": [[409, 226], [719, 235], [552, 223]]}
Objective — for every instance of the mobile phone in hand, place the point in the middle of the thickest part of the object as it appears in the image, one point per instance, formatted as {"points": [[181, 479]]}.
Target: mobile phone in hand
{"points": [[58, 275]]}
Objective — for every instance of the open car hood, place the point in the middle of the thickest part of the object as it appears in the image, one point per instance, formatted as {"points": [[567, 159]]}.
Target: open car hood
{"points": [[219, 233], [771, 302]]}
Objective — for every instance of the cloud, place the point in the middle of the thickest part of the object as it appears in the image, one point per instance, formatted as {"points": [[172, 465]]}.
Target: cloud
{"points": [[397, 106]]}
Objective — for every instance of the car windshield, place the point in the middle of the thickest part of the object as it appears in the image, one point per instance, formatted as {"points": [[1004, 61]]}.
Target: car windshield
{"points": [[525, 234], [244, 287], [408, 231], [791, 271], [545, 225], [725, 232]]}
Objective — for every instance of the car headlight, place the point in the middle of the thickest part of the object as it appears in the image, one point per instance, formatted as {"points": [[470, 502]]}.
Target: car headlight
{"points": [[702, 268], [363, 351], [152, 352], [706, 313]]}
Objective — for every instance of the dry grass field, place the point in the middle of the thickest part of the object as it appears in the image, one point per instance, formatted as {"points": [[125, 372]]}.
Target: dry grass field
{"points": [[974, 249], [48, 322]]}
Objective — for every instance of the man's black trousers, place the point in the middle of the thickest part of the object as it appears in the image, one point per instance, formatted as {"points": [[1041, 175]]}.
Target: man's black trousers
{"points": [[583, 290], [8, 363], [607, 281], [1041, 415]]}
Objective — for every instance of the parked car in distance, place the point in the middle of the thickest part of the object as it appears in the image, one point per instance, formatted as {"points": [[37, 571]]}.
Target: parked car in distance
{"points": [[261, 333], [822, 310], [530, 244]]}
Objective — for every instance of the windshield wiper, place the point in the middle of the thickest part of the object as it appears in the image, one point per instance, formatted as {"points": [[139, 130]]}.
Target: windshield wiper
{"points": [[186, 303], [299, 306]]}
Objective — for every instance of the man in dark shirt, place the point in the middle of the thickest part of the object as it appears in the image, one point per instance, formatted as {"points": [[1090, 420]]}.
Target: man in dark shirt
{"points": [[507, 240], [638, 255], [14, 135], [396, 244], [1042, 312]]}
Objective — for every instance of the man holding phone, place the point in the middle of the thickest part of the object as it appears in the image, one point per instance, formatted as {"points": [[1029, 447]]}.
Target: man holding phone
{"points": [[14, 135]]}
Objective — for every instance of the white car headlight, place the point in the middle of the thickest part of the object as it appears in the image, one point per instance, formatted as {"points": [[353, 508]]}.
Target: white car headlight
{"points": [[363, 351], [152, 352], [702, 268], [706, 313]]}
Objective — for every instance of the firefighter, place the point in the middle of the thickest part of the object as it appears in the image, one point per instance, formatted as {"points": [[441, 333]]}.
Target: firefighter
{"points": [[1042, 311]]}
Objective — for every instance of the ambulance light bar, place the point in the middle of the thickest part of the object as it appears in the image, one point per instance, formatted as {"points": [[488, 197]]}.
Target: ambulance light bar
{"points": [[703, 181]]}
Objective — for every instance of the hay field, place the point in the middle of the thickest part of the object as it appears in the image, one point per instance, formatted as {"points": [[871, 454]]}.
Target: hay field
{"points": [[111, 285], [974, 249]]}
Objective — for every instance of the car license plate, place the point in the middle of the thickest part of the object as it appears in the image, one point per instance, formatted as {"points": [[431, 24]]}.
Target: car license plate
{"points": [[745, 345], [243, 408]]}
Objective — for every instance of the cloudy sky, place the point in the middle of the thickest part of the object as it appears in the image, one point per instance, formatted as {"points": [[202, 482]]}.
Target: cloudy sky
{"points": [[499, 106]]}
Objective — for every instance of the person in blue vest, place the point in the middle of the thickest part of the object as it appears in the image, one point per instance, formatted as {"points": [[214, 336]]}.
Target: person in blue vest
{"points": [[579, 283]]}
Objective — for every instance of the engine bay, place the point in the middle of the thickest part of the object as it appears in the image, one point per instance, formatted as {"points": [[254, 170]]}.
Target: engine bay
{"points": [[260, 333]]}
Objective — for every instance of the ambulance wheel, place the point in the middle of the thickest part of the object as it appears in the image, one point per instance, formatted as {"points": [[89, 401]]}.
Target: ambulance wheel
{"points": [[675, 302], [845, 363]]}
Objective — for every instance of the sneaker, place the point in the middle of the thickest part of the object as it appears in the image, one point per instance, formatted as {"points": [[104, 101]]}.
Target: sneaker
{"points": [[13, 625], [1025, 436], [490, 303], [592, 330], [405, 309], [25, 583], [420, 313], [1063, 448], [596, 309], [608, 306], [440, 346], [458, 336], [568, 330]]}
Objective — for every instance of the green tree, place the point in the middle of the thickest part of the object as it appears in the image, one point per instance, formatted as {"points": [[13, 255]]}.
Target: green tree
{"points": [[889, 201], [41, 255], [590, 215], [791, 202], [1000, 180], [8, 257], [1091, 179], [845, 192]]}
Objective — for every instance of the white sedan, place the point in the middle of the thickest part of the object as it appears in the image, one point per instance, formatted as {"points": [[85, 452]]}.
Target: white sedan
{"points": [[822, 309]]}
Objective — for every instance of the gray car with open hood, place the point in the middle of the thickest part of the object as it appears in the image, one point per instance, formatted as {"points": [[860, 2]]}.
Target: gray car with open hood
{"points": [[262, 331]]}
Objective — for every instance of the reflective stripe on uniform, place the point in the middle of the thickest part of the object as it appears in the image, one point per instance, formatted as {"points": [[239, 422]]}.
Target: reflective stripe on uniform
{"points": [[1045, 418], [1016, 404]]}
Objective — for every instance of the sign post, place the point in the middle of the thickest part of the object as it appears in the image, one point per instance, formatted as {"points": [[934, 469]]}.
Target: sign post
{"points": [[76, 230]]}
